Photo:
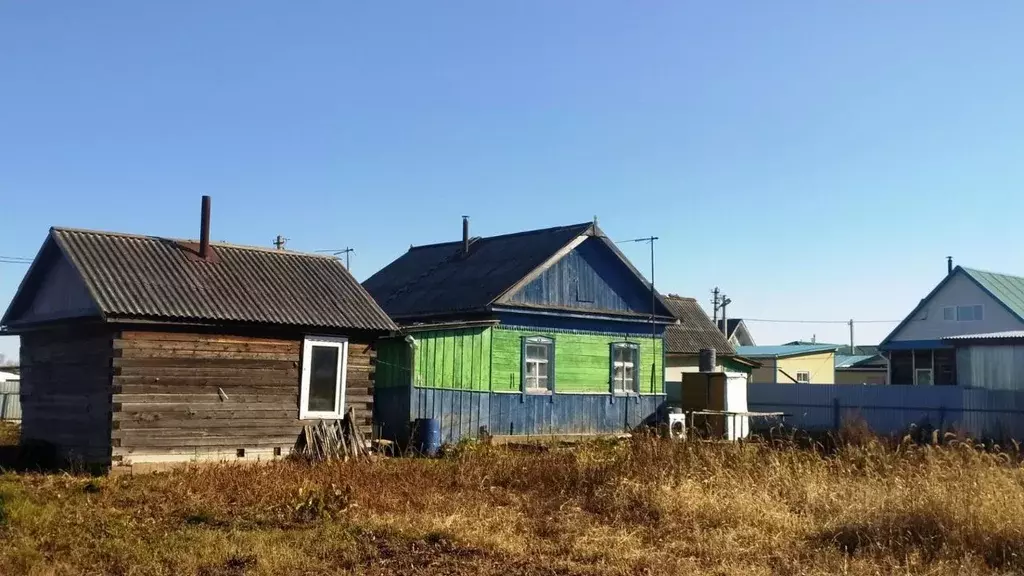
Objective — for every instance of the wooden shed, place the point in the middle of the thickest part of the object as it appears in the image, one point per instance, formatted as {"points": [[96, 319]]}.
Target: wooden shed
{"points": [[140, 349]]}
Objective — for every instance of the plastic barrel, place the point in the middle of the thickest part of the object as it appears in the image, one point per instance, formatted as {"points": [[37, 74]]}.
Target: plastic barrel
{"points": [[428, 436]]}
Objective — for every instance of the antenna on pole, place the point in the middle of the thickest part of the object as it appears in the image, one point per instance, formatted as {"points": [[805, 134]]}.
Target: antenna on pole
{"points": [[654, 299], [279, 242], [346, 251]]}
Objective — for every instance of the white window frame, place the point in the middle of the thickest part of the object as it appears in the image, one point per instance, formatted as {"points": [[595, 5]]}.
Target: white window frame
{"points": [[931, 376], [632, 386], [806, 377], [339, 400], [547, 364]]}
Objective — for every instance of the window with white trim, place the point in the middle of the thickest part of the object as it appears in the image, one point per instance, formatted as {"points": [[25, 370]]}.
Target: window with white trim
{"points": [[624, 364], [322, 391], [923, 377], [803, 377], [538, 364]]}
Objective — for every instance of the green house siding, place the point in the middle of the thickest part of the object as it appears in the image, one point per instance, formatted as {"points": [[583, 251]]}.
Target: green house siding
{"points": [[581, 360], [733, 366], [454, 359], [490, 359], [392, 366]]}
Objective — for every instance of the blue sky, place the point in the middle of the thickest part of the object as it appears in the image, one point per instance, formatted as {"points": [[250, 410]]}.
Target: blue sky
{"points": [[817, 160]]}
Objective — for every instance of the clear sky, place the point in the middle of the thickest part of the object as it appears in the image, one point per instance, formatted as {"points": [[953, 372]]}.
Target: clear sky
{"points": [[816, 160]]}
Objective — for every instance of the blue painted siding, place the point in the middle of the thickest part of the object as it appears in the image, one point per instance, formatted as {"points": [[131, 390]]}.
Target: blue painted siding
{"points": [[464, 413], [589, 278]]}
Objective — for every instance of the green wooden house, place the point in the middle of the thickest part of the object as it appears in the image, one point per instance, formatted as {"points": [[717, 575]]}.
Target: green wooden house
{"points": [[549, 331]]}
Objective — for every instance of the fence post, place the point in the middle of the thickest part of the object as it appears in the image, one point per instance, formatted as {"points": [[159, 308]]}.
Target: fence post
{"points": [[835, 413]]}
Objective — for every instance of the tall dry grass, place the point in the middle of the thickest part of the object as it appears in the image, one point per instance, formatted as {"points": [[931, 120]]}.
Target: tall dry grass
{"points": [[644, 506]]}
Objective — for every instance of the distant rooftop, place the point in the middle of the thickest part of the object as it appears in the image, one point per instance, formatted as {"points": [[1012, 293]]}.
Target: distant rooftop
{"points": [[784, 351]]}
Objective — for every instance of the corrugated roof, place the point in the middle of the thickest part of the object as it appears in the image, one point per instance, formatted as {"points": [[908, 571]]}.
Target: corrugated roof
{"points": [[783, 351], [439, 280], [694, 331], [147, 277], [847, 361], [1007, 289], [1005, 335]]}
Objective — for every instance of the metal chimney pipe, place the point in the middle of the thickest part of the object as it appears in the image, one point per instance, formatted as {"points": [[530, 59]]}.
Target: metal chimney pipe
{"points": [[465, 235], [949, 264], [204, 229]]}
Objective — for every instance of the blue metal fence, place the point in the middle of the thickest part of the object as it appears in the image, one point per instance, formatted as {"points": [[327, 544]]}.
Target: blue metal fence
{"points": [[893, 409]]}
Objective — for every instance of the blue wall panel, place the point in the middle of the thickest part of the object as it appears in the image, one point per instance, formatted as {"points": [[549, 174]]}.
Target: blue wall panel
{"points": [[463, 413], [590, 277]]}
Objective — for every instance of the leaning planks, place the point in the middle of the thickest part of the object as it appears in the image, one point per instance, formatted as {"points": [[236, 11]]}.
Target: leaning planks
{"points": [[339, 440]]}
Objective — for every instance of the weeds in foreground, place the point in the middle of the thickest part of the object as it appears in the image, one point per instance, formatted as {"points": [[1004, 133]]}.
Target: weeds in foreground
{"points": [[641, 506]]}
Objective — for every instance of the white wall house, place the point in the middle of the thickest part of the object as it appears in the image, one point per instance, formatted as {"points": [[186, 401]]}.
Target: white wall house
{"points": [[966, 301]]}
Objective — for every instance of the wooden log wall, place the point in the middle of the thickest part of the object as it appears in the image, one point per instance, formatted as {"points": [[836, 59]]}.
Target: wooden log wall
{"points": [[65, 392], [180, 396]]}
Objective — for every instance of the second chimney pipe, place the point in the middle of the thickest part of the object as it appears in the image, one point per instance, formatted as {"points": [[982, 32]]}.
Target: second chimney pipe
{"points": [[465, 234], [204, 229], [949, 264]]}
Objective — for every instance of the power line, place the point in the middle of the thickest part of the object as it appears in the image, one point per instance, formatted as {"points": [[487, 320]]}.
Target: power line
{"points": [[822, 321]]}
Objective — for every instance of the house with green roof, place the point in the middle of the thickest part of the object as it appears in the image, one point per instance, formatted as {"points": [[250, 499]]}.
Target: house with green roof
{"points": [[967, 301]]}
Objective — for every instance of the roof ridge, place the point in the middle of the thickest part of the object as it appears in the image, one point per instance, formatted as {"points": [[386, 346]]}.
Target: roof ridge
{"points": [[213, 243], [969, 269], [509, 235]]}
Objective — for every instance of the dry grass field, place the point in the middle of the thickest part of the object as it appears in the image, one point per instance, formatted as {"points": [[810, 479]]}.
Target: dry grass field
{"points": [[643, 506]]}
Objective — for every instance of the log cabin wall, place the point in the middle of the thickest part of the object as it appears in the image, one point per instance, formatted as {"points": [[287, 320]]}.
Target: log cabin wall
{"points": [[190, 396], [65, 393]]}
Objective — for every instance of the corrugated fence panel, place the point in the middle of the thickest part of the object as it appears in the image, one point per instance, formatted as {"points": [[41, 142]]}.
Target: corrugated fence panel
{"points": [[893, 409], [10, 400]]}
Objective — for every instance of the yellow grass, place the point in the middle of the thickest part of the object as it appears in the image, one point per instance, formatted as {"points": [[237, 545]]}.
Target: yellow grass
{"points": [[644, 506]]}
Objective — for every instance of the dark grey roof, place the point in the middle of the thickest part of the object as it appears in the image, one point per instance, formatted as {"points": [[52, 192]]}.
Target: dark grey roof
{"points": [[438, 279], [694, 331], [133, 277], [733, 324]]}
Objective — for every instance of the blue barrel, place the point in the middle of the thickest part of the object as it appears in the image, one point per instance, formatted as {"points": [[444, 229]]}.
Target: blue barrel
{"points": [[428, 436]]}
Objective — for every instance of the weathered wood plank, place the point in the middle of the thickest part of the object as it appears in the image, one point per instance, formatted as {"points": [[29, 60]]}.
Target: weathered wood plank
{"points": [[187, 441], [230, 435], [244, 378], [194, 337], [205, 406], [185, 356], [153, 414], [207, 423], [210, 363], [203, 372], [241, 387], [274, 346], [207, 398]]}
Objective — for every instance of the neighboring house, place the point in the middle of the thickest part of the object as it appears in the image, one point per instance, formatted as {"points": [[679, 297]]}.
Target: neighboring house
{"points": [[860, 368], [140, 349], [738, 333], [695, 332], [788, 364], [541, 332], [994, 361], [966, 301], [6, 376]]}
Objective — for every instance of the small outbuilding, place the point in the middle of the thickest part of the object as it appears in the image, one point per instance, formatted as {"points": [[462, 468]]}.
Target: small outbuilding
{"points": [[141, 349]]}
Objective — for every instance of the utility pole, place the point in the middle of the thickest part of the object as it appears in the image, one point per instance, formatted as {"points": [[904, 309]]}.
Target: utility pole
{"points": [[725, 318], [279, 242], [714, 305], [852, 349]]}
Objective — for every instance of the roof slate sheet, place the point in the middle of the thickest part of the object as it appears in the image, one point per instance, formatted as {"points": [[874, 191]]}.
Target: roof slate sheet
{"points": [[147, 277], [694, 331]]}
